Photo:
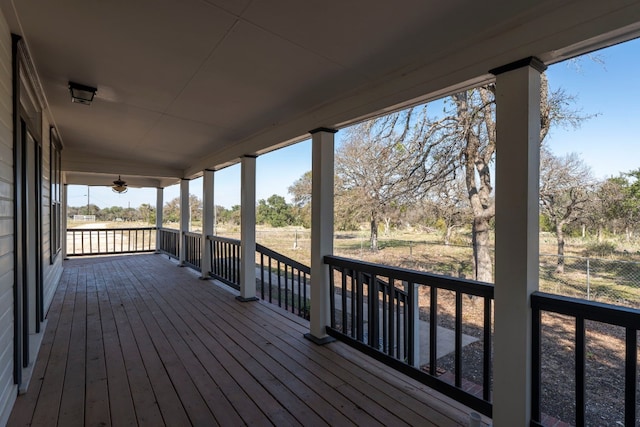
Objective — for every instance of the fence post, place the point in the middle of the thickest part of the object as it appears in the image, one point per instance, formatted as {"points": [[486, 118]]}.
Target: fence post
{"points": [[588, 281]]}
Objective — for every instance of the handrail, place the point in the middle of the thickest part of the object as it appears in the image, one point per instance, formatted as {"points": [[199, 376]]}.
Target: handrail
{"points": [[583, 310], [223, 239], [111, 229], [282, 258], [376, 308], [466, 286], [287, 278], [110, 241], [281, 280]]}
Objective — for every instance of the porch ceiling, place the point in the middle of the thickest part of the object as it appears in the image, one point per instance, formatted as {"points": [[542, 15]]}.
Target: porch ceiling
{"points": [[185, 85]]}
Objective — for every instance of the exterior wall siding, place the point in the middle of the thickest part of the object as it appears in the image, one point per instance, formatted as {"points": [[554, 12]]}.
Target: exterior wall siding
{"points": [[8, 390]]}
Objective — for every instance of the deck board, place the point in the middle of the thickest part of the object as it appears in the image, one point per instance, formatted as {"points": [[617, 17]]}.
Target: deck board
{"points": [[134, 340]]}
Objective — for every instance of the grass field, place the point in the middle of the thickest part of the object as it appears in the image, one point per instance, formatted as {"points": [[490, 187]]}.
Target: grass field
{"points": [[606, 272], [612, 277]]}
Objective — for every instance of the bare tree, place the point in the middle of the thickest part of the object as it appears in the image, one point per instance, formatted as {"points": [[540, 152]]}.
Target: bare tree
{"points": [[449, 203], [566, 184], [463, 141], [371, 166]]}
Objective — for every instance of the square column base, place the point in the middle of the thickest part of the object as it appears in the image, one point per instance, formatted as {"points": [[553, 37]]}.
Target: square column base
{"points": [[319, 341], [242, 299]]}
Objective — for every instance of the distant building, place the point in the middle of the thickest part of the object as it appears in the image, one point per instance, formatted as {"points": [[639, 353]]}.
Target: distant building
{"points": [[85, 218]]}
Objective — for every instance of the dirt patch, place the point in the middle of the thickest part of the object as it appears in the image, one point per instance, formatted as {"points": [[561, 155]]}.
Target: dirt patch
{"points": [[605, 364]]}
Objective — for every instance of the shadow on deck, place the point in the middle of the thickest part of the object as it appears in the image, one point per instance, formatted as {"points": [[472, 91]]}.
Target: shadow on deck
{"points": [[133, 340]]}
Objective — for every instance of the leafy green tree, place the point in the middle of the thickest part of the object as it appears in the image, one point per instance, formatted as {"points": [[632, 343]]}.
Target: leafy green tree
{"points": [[274, 211], [619, 201], [228, 216], [301, 192], [147, 213], [632, 205], [171, 210], [195, 207]]}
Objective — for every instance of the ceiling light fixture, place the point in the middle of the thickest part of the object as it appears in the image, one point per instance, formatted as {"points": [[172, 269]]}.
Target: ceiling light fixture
{"points": [[119, 186], [82, 94]]}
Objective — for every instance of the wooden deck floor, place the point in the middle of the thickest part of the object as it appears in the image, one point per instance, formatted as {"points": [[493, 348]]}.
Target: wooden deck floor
{"points": [[134, 340]]}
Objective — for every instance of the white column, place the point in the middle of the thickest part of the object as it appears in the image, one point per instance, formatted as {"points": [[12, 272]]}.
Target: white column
{"points": [[516, 276], [184, 216], [159, 215], [207, 221], [321, 231], [248, 229], [63, 221]]}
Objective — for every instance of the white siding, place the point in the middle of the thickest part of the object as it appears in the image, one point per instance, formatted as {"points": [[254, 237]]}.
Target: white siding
{"points": [[8, 390]]}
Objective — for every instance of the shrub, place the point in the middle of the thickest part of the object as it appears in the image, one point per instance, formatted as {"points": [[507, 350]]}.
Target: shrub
{"points": [[603, 249]]}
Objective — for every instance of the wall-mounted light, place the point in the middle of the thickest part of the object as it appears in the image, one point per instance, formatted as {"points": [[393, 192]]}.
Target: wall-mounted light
{"points": [[119, 186], [82, 94]]}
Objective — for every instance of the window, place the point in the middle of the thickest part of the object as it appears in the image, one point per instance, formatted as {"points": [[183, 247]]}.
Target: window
{"points": [[56, 194]]}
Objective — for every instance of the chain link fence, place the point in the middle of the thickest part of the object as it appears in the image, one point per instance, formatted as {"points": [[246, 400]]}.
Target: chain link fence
{"points": [[595, 279]]}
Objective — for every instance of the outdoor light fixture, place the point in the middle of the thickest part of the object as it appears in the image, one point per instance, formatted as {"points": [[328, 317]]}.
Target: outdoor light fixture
{"points": [[119, 186], [82, 94]]}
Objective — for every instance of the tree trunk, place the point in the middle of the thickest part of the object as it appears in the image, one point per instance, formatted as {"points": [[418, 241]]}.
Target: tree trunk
{"points": [[481, 250], [560, 237], [374, 232], [387, 226], [447, 236]]}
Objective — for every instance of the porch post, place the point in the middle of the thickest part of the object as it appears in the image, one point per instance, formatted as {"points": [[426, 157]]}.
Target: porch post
{"points": [[517, 221], [159, 216], [321, 231], [248, 229], [63, 221], [184, 217], [207, 222]]}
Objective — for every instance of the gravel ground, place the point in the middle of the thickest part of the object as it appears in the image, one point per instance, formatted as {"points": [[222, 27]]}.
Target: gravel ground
{"points": [[605, 357]]}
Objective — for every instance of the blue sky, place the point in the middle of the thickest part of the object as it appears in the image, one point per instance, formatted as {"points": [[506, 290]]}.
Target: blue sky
{"points": [[609, 142]]}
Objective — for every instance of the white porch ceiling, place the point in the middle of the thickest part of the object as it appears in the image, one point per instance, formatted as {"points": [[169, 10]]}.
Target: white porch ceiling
{"points": [[185, 85]]}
